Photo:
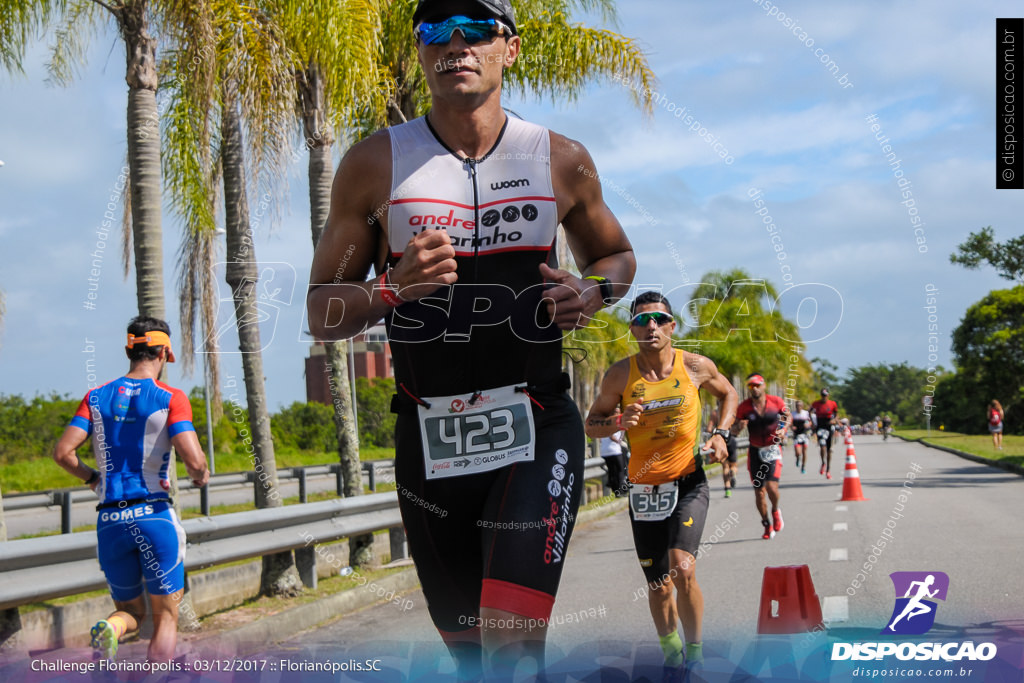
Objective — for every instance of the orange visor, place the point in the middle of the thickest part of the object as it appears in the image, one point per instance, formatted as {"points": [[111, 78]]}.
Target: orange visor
{"points": [[153, 339]]}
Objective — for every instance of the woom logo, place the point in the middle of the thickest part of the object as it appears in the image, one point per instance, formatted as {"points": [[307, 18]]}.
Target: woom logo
{"points": [[521, 182]]}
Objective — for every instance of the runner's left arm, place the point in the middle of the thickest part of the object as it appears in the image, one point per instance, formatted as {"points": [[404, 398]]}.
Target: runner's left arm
{"points": [[597, 241], [705, 375]]}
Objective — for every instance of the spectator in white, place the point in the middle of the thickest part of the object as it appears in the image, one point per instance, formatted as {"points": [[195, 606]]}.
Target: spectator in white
{"points": [[614, 453]]}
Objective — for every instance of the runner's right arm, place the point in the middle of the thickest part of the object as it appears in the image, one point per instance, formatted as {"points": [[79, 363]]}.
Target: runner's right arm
{"points": [[604, 418], [65, 455], [341, 301]]}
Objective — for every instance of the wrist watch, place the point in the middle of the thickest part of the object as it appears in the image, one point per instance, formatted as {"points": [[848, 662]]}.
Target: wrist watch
{"points": [[607, 293], [724, 433]]}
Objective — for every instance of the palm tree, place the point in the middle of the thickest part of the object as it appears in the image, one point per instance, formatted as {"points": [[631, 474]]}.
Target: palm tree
{"points": [[76, 21], [336, 48], [738, 327], [246, 79]]}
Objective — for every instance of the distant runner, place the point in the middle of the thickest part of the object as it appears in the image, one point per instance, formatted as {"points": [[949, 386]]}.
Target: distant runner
{"points": [[823, 412], [801, 434], [654, 396]]}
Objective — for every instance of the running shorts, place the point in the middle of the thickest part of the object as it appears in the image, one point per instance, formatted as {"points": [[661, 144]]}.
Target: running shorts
{"points": [[141, 547], [493, 539], [762, 470], [682, 529]]}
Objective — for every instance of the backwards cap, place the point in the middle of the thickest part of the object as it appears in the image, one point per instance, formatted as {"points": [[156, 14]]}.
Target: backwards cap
{"points": [[154, 338]]}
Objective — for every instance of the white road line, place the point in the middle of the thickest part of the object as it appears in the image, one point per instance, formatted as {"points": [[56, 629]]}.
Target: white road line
{"points": [[837, 555], [841, 508], [840, 526], [835, 608]]}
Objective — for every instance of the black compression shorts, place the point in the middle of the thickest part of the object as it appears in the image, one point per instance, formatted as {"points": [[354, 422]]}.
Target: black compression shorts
{"points": [[681, 530], [763, 470], [493, 539]]}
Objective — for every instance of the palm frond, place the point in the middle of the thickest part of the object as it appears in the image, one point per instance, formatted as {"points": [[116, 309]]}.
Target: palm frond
{"points": [[79, 23], [20, 22], [560, 59]]}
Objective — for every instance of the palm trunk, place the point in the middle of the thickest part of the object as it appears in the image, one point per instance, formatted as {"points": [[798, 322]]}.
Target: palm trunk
{"points": [[279, 573], [319, 140], [144, 156]]}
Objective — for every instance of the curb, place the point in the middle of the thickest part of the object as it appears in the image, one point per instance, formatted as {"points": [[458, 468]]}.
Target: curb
{"points": [[258, 634], [1008, 466]]}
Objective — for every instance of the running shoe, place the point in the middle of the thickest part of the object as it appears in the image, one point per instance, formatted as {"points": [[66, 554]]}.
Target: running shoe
{"points": [[769, 532], [777, 516], [104, 641], [822, 470], [803, 470], [728, 493], [828, 475]]}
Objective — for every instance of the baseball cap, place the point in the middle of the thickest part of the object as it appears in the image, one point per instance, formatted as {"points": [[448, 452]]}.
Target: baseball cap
{"points": [[824, 392], [755, 380], [437, 9]]}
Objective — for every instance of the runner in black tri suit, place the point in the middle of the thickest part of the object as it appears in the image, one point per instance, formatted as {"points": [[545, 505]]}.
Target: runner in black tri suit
{"points": [[801, 434], [457, 211]]}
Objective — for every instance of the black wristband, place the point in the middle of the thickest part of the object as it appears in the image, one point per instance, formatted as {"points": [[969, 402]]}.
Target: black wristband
{"points": [[605, 287], [92, 479]]}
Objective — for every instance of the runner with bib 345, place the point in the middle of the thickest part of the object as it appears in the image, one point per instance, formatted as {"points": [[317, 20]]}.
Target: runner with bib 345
{"points": [[653, 395]]}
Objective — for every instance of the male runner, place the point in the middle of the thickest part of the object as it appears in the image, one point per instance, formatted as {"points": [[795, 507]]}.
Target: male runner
{"points": [[801, 427], [729, 466], [133, 422], [886, 427], [457, 211], [767, 420], [823, 412], [654, 396]]}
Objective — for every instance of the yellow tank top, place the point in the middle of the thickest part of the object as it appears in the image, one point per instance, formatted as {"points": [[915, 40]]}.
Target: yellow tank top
{"points": [[663, 446]]}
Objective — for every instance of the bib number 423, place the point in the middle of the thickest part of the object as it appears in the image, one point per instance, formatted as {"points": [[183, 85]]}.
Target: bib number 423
{"points": [[470, 434]]}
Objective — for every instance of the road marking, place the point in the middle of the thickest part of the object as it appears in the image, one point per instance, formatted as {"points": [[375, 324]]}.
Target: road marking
{"points": [[839, 526], [835, 608], [837, 555], [840, 508]]}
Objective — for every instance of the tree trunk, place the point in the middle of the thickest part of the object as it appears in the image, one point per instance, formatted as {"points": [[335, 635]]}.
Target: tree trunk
{"points": [[144, 156], [280, 576], [319, 139]]}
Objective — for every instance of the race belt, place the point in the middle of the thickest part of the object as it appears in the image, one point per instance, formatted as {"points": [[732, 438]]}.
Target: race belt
{"points": [[471, 433], [653, 503]]}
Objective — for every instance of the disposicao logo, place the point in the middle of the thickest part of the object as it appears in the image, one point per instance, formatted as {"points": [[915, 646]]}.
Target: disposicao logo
{"points": [[914, 614], [915, 608]]}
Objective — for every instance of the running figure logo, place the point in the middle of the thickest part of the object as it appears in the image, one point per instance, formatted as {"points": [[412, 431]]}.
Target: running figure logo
{"points": [[914, 612]]}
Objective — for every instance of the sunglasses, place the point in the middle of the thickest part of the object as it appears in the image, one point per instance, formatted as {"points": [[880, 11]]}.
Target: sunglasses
{"points": [[473, 30], [642, 319]]}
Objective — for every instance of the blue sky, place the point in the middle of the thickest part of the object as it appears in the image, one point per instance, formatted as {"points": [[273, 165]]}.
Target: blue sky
{"points": [[795, 131]]}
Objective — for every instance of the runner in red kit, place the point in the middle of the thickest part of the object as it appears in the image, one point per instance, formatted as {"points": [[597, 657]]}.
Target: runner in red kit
{"points": [[767, 420]]}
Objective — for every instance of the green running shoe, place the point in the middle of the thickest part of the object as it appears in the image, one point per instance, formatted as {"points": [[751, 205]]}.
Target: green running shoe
{"points": [[104, 642]]}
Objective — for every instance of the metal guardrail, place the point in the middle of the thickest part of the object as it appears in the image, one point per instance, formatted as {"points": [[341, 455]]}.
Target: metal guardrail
{"points": [[33, 499], [66, 498], [36, 569]]}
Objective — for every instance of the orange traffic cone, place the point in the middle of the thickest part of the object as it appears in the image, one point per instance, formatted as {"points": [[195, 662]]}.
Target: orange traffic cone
{"points": [[851, 477], [788, 601]]}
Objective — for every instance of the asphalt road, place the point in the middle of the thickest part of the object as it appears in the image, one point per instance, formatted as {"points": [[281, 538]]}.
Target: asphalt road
{"points": [[958, 517]]}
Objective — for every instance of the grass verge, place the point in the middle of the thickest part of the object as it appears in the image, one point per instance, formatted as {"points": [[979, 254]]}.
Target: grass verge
{"points": [[975, 444]]}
